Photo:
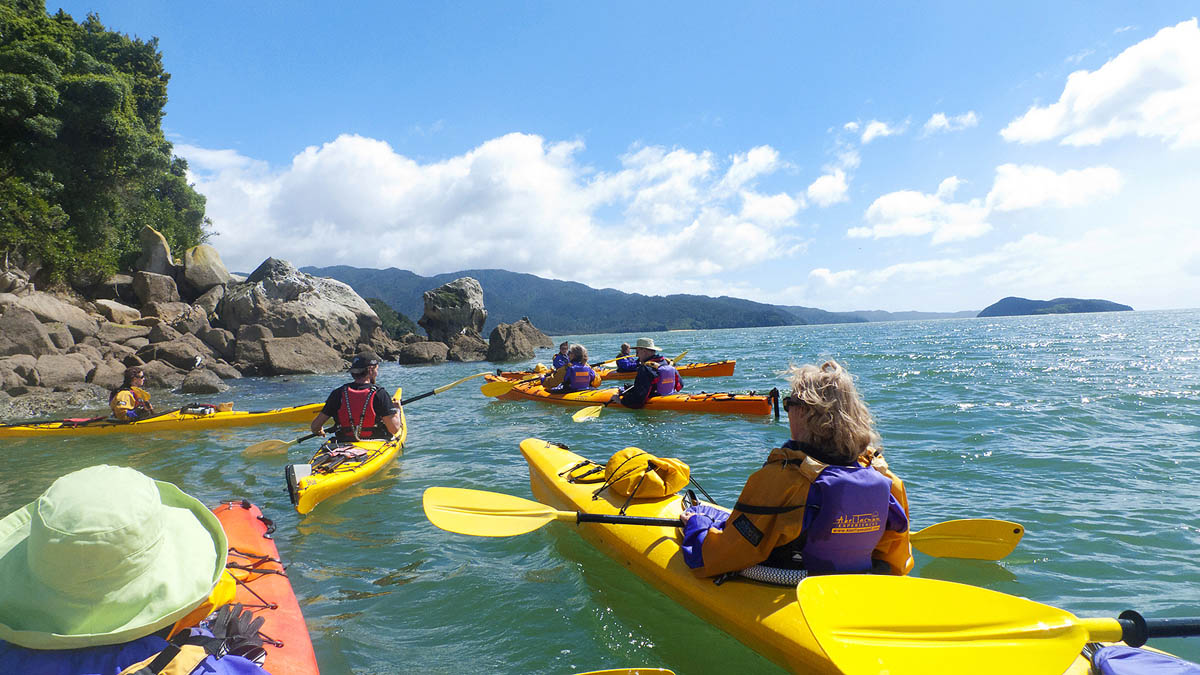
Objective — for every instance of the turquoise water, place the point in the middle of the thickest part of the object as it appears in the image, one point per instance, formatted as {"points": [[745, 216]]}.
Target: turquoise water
{"points": [[1084, 428]]}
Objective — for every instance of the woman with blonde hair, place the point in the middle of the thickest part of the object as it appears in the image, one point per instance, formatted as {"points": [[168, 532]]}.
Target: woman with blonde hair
{"points": [[825, 502], [576, 375]]}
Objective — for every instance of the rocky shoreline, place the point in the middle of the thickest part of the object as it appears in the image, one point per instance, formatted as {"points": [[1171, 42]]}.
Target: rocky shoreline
{"points": [[192, 325]]}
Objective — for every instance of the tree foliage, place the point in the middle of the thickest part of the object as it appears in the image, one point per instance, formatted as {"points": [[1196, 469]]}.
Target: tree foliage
{"points": [[395, 324], [84, 164]]}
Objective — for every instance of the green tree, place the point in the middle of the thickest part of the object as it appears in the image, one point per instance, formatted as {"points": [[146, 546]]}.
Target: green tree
{"points": [[395, 324]]}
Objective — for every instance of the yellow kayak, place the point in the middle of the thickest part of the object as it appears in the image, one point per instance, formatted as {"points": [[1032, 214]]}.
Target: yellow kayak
{"points": [[765, 618], [185, 419], [326, 475]]}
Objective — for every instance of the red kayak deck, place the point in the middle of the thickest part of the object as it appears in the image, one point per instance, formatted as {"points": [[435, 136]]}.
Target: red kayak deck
{"points": [[263, 587]]}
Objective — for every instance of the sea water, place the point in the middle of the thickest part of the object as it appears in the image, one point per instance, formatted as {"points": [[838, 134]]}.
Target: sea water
{"points": [[1083, 428]]}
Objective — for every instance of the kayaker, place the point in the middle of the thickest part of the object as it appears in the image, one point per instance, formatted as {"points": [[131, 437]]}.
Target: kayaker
{"points": [[361, 408], [825, 502], [98, 570], [626, 361], [577, 375], [130, 402], [561, 358], [655, 376]]}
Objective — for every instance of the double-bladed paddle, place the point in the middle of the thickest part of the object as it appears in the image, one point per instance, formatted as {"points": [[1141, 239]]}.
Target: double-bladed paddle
{"points": [[630, 671], [974, 538], [594, 410], [491, 514], [274, 445], [899, 625]]}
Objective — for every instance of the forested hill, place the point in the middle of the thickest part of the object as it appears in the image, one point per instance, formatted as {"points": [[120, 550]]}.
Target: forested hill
{"points": [[1013, 306], [562, 307]]}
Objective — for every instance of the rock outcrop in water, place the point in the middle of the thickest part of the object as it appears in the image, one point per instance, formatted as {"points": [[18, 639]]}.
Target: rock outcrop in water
{"points": [[1013, 306]]}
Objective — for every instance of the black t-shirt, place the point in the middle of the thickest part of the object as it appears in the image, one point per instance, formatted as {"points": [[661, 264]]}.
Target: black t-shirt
{"points": [[382, 402]]}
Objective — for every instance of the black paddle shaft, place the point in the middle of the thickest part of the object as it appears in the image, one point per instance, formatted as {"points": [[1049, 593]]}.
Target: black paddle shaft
{"points": [[1135, 629], [418, 397], [626, 520]]}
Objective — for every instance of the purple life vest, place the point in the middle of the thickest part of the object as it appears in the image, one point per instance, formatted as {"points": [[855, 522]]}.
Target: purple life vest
{"points": [[664, 384], [845, 517], [578, 377]]}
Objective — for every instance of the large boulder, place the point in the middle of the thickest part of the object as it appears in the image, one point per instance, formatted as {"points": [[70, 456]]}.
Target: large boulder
{"points": [[185, 353], [49, 309], [117, 287], [422, 353], [219, 340], [222, 370], [181, 316], [56, 370], [203, 269], [60, 335], [117, 312], [516, 341], [452, 307], [22, 333], [467, 346], [248, 352], [202, 381], [300, 354], [23, 365], [156, 253], [150, 287], [291, 303], [109, 374], [210, 300], [115, 332], [162, 375]]}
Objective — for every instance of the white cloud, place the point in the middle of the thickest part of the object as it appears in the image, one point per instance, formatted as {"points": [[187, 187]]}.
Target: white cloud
{"points": [[876, 129], [939, 122], [948, 187], [912, 213], [1150, 90], [1025, 187], [517, 202], [829, 189], [850, 126]]}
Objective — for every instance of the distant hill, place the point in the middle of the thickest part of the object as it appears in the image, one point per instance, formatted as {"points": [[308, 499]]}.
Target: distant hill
{"points": [[1012, 306], [880, 315], [814, 315], [563, 307]]}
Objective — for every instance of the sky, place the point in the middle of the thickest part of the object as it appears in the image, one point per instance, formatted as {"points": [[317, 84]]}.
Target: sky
{"points": [[933, 156]]}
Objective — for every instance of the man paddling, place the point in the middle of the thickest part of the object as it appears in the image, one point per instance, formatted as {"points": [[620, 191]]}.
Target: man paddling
{"points": [[655, 376], [362, 408]]}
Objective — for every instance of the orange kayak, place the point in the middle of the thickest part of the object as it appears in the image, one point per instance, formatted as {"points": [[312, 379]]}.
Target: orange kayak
{"points": [[737, 404], [263, 587], [714, 369]]}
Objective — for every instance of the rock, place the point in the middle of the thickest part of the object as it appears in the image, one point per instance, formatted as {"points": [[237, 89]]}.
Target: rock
{"points": [[117, 287], [291, 303], [49, 309], [162, 375], [24, 365], [152, 287], [410, 338], [248, 350], [186, 352], [202, 381], [422, 352], [219, 340], [14, 280], [60, 335], [203, 269], [222, 370], [515, 341], [452, 307], [7, 299], [117, 312], [59, 369], [210, 300], [9, 379], [181, 316], [22, 333], [110, 374], [163, 333], [92, 354], [136, 343], [467, 347], [156, 254], [301, 354], [115, 332]]}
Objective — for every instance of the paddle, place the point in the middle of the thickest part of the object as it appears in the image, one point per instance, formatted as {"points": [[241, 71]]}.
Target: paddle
{"points": [[491, 514], [630, 671], [871, 624], [502, 387], [974, 539], [594, 410], [274, 445]]}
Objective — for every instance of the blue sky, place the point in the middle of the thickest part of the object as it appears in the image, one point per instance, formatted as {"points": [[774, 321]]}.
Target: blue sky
{"points": [[930, 156]]}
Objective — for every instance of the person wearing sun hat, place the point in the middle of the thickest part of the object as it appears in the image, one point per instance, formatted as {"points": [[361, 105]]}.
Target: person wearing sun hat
{"points": [[655, 375], [97, 570]]}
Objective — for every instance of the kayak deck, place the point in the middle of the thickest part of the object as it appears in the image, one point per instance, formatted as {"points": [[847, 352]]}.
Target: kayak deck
{"points": [[713, 369], [738, 404], [176, 420], [767, 619], [306, 491]]}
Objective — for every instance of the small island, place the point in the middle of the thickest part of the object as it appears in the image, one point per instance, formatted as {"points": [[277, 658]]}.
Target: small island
{"points": [[1013, 306]]}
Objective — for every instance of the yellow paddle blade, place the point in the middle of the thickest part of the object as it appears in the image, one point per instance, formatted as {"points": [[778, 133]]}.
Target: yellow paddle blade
{"points": [[900, 625], [266, 447], [587, 413], [681, 355], [502, 387], [455, 383], [486, 514], [630, 671], [976, 539]]}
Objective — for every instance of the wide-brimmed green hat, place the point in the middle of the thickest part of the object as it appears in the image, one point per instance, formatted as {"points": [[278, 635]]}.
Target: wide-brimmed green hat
{"points": [[106, 555]]}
